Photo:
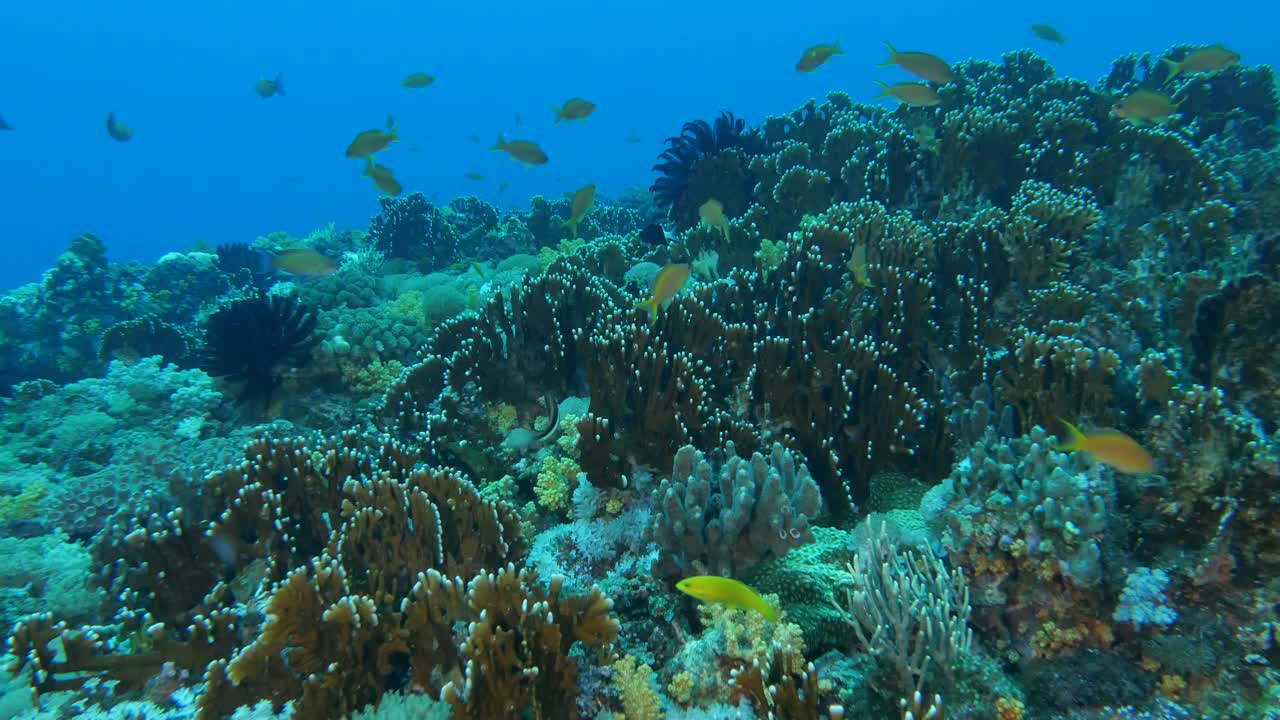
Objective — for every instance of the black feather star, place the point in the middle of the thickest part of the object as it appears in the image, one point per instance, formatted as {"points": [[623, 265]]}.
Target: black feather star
{"points": [[249, 340], [696, 140]]}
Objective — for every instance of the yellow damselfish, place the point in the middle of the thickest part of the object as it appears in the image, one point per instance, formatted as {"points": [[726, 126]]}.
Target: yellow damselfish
{"points": [[1109, 447], [582, 201], [727, 591], [669, 281]]}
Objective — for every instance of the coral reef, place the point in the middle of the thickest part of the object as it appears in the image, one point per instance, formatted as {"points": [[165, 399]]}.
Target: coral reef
{"points": [[250, 339]]}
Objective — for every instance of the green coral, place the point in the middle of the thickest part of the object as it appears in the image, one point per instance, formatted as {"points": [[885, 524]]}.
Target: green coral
{"points": [[811, 581]]}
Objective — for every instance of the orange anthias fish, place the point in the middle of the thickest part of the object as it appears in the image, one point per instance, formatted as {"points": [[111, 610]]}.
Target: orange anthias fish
{"points": [[911, 93], [1144, 105], [670, 280], [921, 64], [304, 262], [1109, 447], [712, 214], [817, 56], [574, 109], [582, 201], [383, 178], [1203, 60], [372, 141], [525, 151], [118, 130], [417, 80], [727, 591], [266, 87]]}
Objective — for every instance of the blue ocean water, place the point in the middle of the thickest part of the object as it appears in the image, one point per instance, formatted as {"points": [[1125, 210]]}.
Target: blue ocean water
{"points": [[212, 161]]}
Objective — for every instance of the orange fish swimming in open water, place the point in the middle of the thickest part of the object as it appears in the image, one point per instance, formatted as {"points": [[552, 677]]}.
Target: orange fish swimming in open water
{"points": [[670, 280], [526, 151], [383, 178], [574, 109], [1207, 59], [911, 93], [118, 130], [1109, 447], [921, 64], [266, 87], [304, 262], [1144, 106], [817, 56], [373, 141]]}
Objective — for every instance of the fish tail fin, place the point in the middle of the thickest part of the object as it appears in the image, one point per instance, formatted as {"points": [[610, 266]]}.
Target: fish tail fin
{"points": [[1173, 67], [501, 144], [885, 90], [368, 167], [835, 48], [651, 308], [559, 113], [279, 86], [893, 55], [391, 123], [1075, 438], [573, 228], [769, 612]]}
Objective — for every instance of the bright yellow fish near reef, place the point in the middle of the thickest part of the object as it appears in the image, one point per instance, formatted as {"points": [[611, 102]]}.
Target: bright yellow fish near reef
{"points": [[921, 64], [1109, 447], [383, 178], [1144, 106], [1207, 59], [582, 201], [670, 280], [304, 262], [574, 109], [817, 56], [727, 591], [910, 93], [712, 214], [526, 151]]}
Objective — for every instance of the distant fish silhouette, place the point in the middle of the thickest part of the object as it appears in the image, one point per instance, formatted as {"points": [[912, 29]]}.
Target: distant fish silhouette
{"points": [[266, 87], [118, 130], [4, 125]]}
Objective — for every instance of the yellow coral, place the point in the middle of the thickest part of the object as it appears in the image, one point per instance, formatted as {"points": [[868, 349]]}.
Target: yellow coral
{"points": [[639, 700], [555, 483], [614, 505], [568, 435], [24, 505], [1008, 708], [681, 687], [409, 304], [371, 379], [502, 417], [1172, 685]]}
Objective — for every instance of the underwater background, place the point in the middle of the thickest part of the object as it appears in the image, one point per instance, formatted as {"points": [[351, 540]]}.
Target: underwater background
{"points": [[675, 361]]}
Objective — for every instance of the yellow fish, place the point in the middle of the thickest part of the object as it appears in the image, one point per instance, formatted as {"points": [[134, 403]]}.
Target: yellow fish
{"points": [[712, 214], [817, 56], [726, 591], [669, 282], [858, 264], [266, 87], [383, 178], [1144, 105], [574, 109], [1048, 32], [417, 80], [304, 262], [1202, 60], [921, 64], [525, 151], [1110, 447], [581, 205], [118, 130], [372, 141], [910, 93]]}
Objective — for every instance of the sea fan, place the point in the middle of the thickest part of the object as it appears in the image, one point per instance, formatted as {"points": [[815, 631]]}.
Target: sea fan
{"points": [[250, 339], [696, 140]]}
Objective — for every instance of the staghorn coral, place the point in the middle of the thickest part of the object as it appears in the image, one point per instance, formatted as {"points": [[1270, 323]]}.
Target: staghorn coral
{"points": [[725, 517]]}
